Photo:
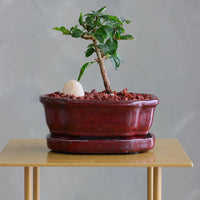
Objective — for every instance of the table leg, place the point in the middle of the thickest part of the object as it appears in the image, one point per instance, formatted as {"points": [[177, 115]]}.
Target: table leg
{"points": [[28, 183], [36, 183], [149, 183], [157, 187]]}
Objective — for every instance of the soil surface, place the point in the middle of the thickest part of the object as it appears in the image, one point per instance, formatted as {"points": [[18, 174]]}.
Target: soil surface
{"points": [[103, 96]]}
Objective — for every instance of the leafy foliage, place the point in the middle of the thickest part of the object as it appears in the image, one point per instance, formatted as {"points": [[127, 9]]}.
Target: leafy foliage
{"points": [[104, 28]]}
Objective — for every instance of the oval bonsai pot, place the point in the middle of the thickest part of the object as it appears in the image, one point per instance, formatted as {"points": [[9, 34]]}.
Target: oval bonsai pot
{"points": [[98, 118]]}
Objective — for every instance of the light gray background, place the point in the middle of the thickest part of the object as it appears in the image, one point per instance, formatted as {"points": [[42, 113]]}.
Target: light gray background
{"points": [[163, 60]]}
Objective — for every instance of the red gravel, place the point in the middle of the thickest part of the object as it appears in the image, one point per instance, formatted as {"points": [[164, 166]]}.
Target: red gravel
{"points": [[103, 96]]}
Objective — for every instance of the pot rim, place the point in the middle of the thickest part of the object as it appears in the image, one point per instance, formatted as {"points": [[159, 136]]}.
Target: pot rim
{"points": [[45, 99]]}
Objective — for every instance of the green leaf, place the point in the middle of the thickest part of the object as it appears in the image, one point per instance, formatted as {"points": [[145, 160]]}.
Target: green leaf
{"points": [[119, 57], [105, 17], [99, 38], [112, 45], [76, 33], [89, 15], [114, 19], [63, 30], [101, 31], [89, 52], [102, 9], [115, 61], [104, 47], [120, 29], [90, 46], [117, 36], [125, 20], [109, 30], [89, 21], [83, 68], [73, 28], [94, 13], [97, 23], [56, 28], [100, 34], [80, 19], [126, 37]]}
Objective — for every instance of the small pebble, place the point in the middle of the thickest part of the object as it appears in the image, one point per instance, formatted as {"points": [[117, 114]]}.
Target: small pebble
{"points": [[73, 87]]}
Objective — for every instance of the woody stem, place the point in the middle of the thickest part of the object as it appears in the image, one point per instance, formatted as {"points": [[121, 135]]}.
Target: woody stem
{"points": [[104, 75]]}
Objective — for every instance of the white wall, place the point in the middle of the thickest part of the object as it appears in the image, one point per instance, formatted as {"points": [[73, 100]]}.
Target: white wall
{"points": [[163, 60]]}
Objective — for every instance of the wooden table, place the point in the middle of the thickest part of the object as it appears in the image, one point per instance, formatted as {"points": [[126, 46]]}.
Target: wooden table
{"points": [[33, 154]]}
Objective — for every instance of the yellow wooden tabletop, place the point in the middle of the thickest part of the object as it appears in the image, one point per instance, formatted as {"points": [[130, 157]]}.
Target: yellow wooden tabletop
{"points": [[34, 152]]}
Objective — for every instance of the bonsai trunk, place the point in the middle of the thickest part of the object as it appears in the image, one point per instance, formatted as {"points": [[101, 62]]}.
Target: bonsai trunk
{"points": [[104, 75]]}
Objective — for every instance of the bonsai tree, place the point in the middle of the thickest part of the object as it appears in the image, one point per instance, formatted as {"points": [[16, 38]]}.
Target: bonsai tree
{"points": [[99, 122], [104, 31]]}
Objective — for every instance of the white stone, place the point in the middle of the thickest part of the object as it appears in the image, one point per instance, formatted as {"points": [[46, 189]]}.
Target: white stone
{"points": [[73, 87]]}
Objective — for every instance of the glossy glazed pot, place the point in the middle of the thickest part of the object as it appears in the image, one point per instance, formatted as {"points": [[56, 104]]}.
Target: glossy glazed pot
{"points": [[98, 118]]}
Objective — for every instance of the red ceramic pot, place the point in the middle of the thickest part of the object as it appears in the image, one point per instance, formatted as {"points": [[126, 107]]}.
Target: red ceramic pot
{"points": [[98, 118]]}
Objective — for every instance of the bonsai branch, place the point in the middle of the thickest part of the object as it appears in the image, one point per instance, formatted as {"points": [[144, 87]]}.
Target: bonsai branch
{"points": [[88, 37], [100, 60], [91, 37]]}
